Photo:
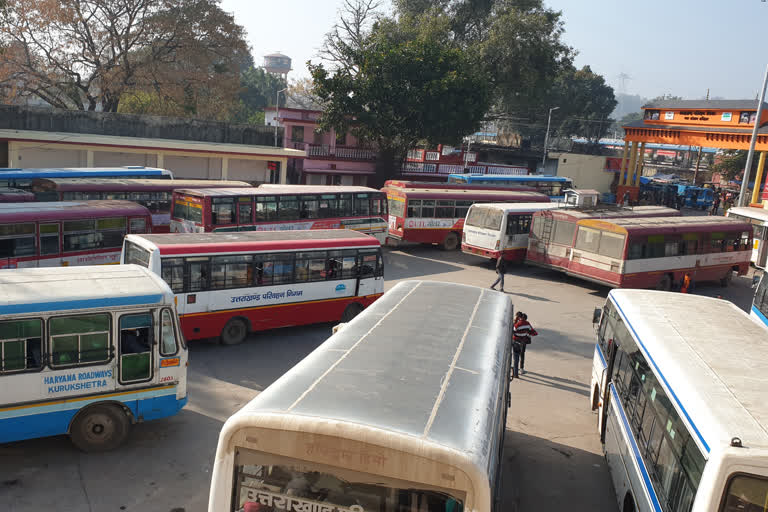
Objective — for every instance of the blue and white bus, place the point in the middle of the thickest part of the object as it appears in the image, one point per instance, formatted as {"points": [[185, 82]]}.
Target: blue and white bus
{"points": [[22, 178], [760, 304], [553, 186], [679, 382], [87, 351]]}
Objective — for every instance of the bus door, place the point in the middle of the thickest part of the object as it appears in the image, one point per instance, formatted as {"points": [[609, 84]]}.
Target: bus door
{"points": [[245, 213], [49, 243], [370, 270], [606, 394], [197, 274], [136, 341], [172, 354]]}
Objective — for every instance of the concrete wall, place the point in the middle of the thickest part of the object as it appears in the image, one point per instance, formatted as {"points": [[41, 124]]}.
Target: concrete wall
{"points": [[190, 167], [587, 171], [247, 170]]}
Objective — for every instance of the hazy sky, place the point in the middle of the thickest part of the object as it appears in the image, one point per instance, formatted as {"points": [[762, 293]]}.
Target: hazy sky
{"points": [[679, 47]]}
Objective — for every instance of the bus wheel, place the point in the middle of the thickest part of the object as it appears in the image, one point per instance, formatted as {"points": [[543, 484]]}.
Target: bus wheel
{"points": [[727, 278], [451, 242], [234, 332], [99, 428], [665, 283], [351, 311]]}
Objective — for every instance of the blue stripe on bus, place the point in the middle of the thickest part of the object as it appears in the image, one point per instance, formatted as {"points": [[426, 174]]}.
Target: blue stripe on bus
{"points": [[600, 353], [759, 314], [57, 422], [636, 451], [664, 379], [40, 307]]}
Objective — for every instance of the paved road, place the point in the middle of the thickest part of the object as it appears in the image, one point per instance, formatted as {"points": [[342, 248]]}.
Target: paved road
{"points": [[553, 453]]}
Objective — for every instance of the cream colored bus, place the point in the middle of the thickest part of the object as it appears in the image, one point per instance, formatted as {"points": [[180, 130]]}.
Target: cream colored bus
{"points": [[402, 410]]}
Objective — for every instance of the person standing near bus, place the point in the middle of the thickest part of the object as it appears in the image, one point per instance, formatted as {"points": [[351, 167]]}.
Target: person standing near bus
{"points": [[520, 340], [686, 284], [501, 268]]}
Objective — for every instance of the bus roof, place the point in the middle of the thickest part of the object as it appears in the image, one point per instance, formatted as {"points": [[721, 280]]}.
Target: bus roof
{"points": [[202, 243], [469, 186], [472, 195], [750, 212], [510, 177], [643, 225], [422, 363], [127, 184], [67, 172], [38, 290], [608, 212], [518, 207], [718, 375], [273, 191], [67, 210]]}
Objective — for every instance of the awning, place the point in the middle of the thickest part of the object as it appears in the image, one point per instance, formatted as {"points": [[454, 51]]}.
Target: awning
{"points": [[338, 171]]}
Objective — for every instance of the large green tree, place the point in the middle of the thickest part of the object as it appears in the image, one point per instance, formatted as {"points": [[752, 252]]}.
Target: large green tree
{"points": [[259, 89], [585, 102], [401, 87]]}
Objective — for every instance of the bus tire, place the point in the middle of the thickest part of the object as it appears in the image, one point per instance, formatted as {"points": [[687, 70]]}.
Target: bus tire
{"points": [[727, 278], [629, 503], [234, 332], [99, 428], [451, 242], [665, 283], [351, 311]]}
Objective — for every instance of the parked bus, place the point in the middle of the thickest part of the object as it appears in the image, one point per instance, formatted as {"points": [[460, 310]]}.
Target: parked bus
{"points": [[87, 352], [15, 195], [229, 284], [455, 186], [436, 216], [367, 425], [22, 178], [154, 194], [553, 186], [554, 230], [758, 217], [678, 383], [760, 304], [67, 233], [655, 252], [495, 230], [281, 208]]}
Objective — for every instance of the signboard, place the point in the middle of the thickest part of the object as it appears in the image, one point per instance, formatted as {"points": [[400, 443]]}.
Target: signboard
{"points": [[669, 116], [726, 117]]}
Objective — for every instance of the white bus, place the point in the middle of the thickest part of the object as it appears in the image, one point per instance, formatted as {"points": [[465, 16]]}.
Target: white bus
{"points": [[229, 284], [758, 217], [492, 230], [87, 351], [404, 409], [760, 304], [679, 384]]}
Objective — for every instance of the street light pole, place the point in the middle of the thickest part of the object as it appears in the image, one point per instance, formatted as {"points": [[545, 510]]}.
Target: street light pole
{"points": [[546, 138], [748, 166], [277, 110]]}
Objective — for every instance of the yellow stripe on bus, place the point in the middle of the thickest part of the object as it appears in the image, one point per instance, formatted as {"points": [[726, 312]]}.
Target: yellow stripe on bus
{"points": [[603, 225], [84, 398], [277, 305]]}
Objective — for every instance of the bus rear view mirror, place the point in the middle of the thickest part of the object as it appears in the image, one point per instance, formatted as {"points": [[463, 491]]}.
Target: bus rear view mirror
{"points": [[596, 314]]}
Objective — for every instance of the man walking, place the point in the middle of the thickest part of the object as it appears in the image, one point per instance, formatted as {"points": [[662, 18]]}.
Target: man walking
{"points": [[501, 267]]}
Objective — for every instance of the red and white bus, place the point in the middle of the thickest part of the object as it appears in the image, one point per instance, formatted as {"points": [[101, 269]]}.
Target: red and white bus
{"points": [[494, 230], [67, 233], [15, 195], [436, 215], [456, 186], [229, 284], [654, 252], [553, 231], [280, 208], [154, 194]]}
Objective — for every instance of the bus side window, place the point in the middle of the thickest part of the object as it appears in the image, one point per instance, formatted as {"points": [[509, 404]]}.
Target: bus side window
{"points": [[79, 339], [168, 345], [266, 208], [21, 345], [367, 262], [17, 240], [327, 206], [349, 264], [135, 347], [414, 208], [49, 239], [198, 274], [333, 265], [344, 205]]}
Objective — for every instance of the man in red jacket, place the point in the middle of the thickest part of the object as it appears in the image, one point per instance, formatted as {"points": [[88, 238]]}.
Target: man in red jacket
{"points": [[520, 339]]}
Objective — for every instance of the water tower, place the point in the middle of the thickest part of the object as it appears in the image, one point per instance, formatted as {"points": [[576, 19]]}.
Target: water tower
{"points": [[278, 64]]}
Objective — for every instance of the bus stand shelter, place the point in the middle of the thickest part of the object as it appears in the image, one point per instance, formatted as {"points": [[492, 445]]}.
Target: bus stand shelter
{"points": [[722, 124]]}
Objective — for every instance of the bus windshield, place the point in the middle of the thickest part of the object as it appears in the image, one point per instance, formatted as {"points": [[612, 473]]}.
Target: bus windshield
{"points": [[286, 484]]}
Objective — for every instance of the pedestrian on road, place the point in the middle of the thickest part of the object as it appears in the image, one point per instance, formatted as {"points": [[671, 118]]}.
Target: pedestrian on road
{"points": [[520, 340], [501, 267], [686, 285]]}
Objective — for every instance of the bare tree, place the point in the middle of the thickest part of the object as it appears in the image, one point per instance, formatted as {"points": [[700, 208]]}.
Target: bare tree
{"points": [[356, 18], [87, 54]]}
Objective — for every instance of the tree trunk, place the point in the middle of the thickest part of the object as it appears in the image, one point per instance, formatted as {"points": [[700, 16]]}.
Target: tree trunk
{"points": [[388, 163]]}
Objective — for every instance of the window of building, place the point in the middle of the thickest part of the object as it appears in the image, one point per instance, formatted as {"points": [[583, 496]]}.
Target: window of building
{"points": [[341, 139], [297, 133]]}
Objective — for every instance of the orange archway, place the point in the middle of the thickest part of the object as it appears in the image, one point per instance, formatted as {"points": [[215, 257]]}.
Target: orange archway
{"points": [[723, 124]]}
